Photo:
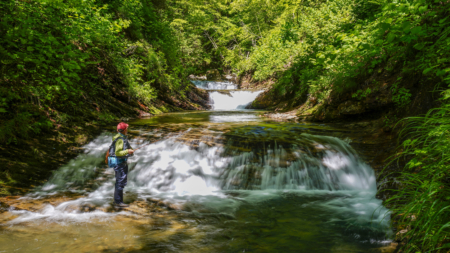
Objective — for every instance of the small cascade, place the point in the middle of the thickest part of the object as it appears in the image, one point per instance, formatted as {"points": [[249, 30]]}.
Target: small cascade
{"points": [[173, 171], [330, 164], [232, 100], [314, 182], [214, 85], [166, 166], [232, 176], [224, 95]]}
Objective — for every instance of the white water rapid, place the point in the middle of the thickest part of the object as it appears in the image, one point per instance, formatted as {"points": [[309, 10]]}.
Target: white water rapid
{"points": [[199, 179], [213, 85], [229, 180], [224, 95]]}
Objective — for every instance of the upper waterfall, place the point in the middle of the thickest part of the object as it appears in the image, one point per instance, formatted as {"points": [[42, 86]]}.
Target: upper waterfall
{"points": [[214, 85], [225, 96], [232, 100]]}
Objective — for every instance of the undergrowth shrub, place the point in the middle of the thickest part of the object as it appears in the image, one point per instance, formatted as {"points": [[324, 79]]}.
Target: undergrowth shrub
{"points": [[422, 200], [57, 57]]}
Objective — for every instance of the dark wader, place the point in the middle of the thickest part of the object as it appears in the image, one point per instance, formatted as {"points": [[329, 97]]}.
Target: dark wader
{"points": [[121, 170]]}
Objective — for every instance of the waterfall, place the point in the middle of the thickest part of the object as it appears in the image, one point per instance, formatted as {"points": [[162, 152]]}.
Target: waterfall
{"points": [[174, 172], [331, 165], [313, 177], [225, 97], [214, 85], [232, 100], [230, 167], [318, 163]]}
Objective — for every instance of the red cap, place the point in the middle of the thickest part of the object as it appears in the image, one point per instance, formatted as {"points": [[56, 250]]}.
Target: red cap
{"points": [[122, 126]]}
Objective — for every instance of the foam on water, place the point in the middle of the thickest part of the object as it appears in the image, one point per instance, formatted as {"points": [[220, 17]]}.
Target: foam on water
{"points": [[202, 179], [317, 173], [337, 167], [78, 171], [66, 212], [214, 85], [236, 100]]}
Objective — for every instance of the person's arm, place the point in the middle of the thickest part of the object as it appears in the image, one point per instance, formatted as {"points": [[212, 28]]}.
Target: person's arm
{"points": [[119, 148], [131, 151]]}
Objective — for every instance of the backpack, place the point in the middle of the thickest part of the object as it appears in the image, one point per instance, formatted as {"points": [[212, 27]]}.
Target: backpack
{"points": [[113, 161]]}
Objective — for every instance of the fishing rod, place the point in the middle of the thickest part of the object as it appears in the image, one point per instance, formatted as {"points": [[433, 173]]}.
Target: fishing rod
{"points": [[134, 150], [144, 146]]}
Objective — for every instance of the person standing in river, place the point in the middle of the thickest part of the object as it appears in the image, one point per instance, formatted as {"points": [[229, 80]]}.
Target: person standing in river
{"points": [[120, 150]]}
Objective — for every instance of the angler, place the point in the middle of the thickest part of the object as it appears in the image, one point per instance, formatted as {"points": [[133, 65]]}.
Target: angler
{"points": [[119, 151]]}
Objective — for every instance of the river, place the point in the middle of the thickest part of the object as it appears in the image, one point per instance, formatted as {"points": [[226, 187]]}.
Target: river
{"points": [[225, 180]]}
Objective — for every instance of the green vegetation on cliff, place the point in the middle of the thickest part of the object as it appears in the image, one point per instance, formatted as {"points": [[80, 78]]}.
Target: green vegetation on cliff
{"points": [[320, 52], [69, 61], [57, 58], [66, 66], [422, 200]]}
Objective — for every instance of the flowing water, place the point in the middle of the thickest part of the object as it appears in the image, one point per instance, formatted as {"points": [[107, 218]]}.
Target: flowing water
{"points": [[225, 96], [211, 85], [227, 180]]}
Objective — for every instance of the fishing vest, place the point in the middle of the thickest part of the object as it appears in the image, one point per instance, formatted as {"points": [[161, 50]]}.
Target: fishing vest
{"points": [[114, 160]]}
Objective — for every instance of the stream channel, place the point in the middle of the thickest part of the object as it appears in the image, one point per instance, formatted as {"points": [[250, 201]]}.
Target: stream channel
{"points": [[225, 180]]}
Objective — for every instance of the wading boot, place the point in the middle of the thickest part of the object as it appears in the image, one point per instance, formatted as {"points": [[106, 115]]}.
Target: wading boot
{"points": [[120, 205], [118, 199]]}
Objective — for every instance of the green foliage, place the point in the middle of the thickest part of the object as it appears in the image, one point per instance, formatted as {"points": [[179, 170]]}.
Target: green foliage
{"points": [[400, 96], [359, 94], [422, 200], [56, 56], [390, 121], [315, 47]]}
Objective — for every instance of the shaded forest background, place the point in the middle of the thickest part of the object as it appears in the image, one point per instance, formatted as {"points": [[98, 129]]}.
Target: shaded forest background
{"points": [[71, 63]]}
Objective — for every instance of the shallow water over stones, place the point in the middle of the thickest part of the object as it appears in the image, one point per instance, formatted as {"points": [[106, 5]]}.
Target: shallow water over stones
{"points": [[211, 182]]}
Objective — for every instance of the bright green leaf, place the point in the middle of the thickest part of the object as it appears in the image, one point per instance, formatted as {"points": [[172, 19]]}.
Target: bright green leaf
{"points": [[390, 37]]}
